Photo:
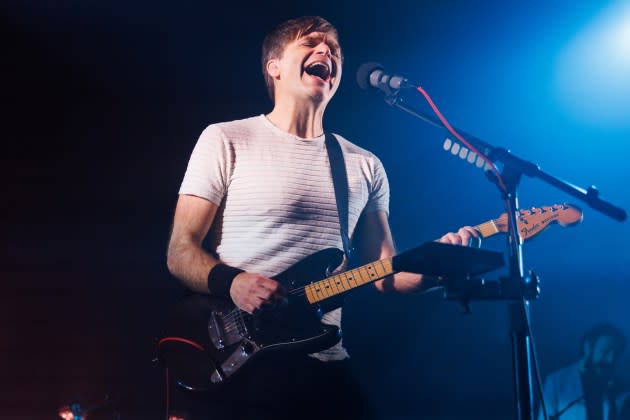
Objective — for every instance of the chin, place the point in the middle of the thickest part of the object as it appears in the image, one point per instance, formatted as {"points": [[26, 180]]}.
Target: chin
{"points": [[318, 95]]}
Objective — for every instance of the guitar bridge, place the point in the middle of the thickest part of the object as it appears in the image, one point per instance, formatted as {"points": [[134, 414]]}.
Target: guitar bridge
{"points": [[225, 330]]}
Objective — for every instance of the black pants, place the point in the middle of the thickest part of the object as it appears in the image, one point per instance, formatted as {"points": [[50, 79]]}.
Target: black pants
{"points": [[282, 389]]}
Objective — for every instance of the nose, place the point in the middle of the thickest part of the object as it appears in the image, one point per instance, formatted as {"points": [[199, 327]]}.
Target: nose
{"points": [[323, 48]]}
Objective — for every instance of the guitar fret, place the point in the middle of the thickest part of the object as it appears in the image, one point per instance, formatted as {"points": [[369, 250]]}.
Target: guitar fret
{"points": [[309, 293], [331, 286], [384, 273], [336, 281], [387, 266], [322, 288], [319, 290], [353, 278], [313, 288], [345, 276], [368, 271], [371, 271], [342, 285], [362, 275], [342, 282], [328, 287]]}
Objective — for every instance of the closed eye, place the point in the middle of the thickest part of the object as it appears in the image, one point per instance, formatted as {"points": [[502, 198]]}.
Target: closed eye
{"points": [[313, 42]]}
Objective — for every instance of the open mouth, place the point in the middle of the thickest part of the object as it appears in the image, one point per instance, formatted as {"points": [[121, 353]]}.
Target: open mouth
{"points": [[319, 69]]}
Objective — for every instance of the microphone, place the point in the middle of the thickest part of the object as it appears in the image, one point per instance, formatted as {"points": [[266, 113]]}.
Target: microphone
{"points": [[373, 75]]}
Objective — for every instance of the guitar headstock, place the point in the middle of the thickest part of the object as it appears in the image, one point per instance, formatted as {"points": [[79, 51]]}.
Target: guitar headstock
{"points": [[533, 221]]}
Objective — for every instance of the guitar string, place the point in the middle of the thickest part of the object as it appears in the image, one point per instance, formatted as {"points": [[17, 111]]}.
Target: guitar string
{"points": [[232, 317], [301, 291]]}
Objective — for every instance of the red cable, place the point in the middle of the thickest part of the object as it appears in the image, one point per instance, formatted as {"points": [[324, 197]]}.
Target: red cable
{"points": [[166, 378], [182, 340], [168, 395], [460, 138]]}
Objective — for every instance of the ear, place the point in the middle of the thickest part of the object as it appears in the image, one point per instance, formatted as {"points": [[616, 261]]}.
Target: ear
{"points": [[273, 69]]}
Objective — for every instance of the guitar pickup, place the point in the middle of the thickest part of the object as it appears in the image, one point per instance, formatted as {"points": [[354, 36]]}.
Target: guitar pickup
{"points": [[215, 330]]}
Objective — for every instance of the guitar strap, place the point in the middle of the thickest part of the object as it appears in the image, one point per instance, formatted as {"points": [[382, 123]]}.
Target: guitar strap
{"points": [[340, 183]]}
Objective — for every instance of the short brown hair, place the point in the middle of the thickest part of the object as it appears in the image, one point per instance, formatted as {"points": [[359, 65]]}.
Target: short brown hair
{"points": [[605, 329], [286, 32]]}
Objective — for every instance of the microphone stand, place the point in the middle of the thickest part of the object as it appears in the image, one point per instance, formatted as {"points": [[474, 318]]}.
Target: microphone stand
{"points": [[590, 195], [515, 288]]}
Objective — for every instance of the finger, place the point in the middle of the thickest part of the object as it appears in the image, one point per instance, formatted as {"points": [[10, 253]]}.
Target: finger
{"points": [[465, 236], [470, 236], [452, 238], [262, 293], [256, 306], [475, 240], [471, 230], [445, 239], [278, 295], [274, 287], [274, 292]]}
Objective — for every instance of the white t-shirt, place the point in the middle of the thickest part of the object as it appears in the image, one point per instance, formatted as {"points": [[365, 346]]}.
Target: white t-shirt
{"points": [[276, 197]]}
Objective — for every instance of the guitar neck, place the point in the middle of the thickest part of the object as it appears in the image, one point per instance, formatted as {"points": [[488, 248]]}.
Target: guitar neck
{"points": [[348, 280], [488, 229], [538, 219], [343, 282]]}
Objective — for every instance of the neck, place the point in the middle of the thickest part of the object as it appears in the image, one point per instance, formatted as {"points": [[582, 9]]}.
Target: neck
{"points": [[298, 118]]}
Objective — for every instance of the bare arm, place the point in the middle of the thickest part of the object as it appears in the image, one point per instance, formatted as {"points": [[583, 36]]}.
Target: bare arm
{"points": [[186, 258], [188, 261], [376, 243]]}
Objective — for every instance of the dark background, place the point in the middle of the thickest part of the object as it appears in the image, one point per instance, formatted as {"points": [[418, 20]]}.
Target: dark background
{"points": [[103, 102]]}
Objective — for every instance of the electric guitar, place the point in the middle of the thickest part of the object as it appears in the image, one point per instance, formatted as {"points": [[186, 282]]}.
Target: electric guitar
{"points": [[210, 340]]}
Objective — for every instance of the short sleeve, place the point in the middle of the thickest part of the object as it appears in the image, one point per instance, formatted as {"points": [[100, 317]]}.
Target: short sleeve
{"points": [[207, 175], [378, 199]]}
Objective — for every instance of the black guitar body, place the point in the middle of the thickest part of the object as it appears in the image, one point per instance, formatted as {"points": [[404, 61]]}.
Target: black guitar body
{"points": [[209, 341]]}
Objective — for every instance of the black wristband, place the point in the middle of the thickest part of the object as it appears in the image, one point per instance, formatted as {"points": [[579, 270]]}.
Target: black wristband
{"points": [[220, 279]]}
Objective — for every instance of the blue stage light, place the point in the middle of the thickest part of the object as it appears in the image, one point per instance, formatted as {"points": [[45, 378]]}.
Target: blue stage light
{"points": [[593, 74]]}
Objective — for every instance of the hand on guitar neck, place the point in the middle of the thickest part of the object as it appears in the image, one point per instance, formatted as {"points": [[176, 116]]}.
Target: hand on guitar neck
{"points": [[530, 223], [464, 236]]}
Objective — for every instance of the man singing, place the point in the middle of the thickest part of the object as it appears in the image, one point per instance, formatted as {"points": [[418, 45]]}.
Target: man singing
{"points": [[261, 190]]}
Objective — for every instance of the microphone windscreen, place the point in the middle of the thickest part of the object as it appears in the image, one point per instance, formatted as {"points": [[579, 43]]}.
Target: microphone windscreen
{"points": [[363, 73]]}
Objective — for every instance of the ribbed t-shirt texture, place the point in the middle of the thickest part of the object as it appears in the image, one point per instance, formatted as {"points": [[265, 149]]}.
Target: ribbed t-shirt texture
{"points": [[276, 197]]}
